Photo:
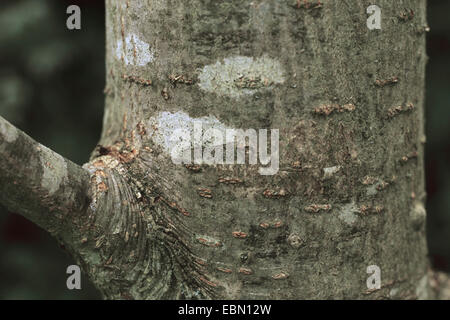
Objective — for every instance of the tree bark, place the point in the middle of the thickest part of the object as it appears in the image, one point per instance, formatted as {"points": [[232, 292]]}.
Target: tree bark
{"points": [[348, 193]]}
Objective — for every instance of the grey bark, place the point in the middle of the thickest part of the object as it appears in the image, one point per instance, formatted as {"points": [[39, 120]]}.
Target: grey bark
{"points": [[349, 193]]}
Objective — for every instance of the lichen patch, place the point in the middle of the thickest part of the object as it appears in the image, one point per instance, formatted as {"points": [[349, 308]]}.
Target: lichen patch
{"points": [[8, 132], [54, 170], [348, 213], [239, 76], [330, 171], [166, 123], [135, 51]]}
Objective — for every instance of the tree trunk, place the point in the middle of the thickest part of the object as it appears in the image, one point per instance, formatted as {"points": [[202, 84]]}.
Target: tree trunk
{"points": [[348, 191]]}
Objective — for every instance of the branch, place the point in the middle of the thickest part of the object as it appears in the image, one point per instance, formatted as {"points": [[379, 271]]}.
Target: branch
{"points": [[39, 183]]}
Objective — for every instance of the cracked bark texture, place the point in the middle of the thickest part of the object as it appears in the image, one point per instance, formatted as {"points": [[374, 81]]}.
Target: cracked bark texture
{"points": [[349, 192]]}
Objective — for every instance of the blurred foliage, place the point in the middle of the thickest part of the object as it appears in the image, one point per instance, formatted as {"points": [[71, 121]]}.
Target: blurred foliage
{"points": [[51, 83], [438, 134]]}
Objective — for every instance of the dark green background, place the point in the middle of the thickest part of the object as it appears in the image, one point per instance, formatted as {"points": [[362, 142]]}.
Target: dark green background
{"points": [[51, 86]]}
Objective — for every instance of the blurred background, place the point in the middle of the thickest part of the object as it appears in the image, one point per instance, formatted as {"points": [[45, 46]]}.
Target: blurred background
{"points": [[51, 87]]}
